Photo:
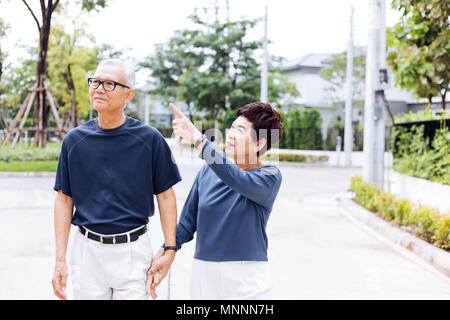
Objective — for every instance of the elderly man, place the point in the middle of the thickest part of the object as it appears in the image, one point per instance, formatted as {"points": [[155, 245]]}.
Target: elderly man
{"points": [[109, 169]]}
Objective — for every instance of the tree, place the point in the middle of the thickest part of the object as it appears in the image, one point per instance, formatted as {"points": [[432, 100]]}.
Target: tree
{"points": [[420, 44], [172, 60], [16, 81], [44, 27], [4, 27], [213, 68], [335, 73], [69, 65]]}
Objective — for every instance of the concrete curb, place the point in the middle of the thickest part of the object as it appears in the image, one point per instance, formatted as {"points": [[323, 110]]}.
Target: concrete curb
{"points": [[438, 258], [27, 174]]}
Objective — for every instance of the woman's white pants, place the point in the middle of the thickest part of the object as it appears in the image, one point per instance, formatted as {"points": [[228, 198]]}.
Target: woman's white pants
{"points": [[227, 280]]}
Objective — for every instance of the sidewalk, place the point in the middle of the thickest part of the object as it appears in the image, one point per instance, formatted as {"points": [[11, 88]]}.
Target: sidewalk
{"points": [[315, 251]]}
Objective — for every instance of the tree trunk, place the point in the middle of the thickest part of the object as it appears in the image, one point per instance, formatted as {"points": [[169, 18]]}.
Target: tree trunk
{"points": [[41, 69], [443, 100], [70, 85], [41, 110]]}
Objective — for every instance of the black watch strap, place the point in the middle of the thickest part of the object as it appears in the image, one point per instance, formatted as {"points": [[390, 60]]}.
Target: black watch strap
{"points": [[170, 248], [199, 140]]}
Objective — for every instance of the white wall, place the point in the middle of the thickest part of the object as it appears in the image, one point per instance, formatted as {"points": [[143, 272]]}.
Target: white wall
{"points": [[334, 158], [421, 191]]}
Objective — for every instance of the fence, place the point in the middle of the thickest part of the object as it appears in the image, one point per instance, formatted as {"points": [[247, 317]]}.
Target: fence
{"points": [[430, 128]]}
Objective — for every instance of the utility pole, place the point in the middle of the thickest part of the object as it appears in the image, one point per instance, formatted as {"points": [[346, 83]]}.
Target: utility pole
{"points": [[264, 70], [374, 123], [147, 109], [348, 130], [380, 122], [216, 8]]}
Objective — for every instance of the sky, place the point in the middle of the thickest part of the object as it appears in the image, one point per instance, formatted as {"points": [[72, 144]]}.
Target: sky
{"points": [[295, 27]]}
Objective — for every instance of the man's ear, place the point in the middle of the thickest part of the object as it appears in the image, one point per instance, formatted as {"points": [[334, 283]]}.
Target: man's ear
{"points": [[130, 95]]}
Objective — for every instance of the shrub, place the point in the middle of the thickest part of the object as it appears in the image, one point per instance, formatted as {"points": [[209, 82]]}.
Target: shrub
{"points": [[425, 222], [414, 156]]}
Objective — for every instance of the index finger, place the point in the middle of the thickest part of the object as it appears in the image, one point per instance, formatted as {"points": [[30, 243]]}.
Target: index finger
{"points": [[178, 113]]}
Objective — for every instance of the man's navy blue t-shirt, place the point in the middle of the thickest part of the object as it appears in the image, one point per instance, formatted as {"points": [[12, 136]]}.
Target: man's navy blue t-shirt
{"points": [[112, 174]]}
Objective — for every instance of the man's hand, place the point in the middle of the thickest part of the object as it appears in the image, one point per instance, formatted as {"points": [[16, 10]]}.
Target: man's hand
{"points": [[59, 280], [183, 127], [158, 270]]}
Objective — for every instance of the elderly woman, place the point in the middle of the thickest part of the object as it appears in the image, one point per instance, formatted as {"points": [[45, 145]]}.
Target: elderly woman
{"points": [[228, 206]]}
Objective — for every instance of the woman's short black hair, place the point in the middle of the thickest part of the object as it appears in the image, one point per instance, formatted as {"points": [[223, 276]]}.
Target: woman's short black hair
{"points": [[266, 123]]}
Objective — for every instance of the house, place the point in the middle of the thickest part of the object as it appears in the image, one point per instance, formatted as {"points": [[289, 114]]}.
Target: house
{"points": [[304, 72]]}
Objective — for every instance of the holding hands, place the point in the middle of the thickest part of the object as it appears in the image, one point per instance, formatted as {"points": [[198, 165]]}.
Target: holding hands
{"points": [[158, 270]]}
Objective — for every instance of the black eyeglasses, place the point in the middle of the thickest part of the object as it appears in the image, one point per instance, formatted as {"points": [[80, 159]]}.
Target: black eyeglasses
{"points": [[108, 85]]}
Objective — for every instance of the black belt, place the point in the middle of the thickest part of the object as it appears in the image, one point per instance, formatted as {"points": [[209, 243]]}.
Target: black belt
{"points": [[123, 238]]}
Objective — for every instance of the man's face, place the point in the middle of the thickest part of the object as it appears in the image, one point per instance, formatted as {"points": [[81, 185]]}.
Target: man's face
{"points": [[110, 101]]}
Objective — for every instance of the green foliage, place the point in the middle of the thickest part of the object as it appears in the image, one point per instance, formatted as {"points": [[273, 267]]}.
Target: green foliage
{"points": [[89, 5], [69, 66], [17, 80], [420, 116], [413, 155], [420, 47], [336, 74], [424, 221], [303, 129], [213, 68], [4, 28]]}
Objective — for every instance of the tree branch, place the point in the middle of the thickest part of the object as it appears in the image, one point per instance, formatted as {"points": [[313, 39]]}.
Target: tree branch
{"points": [[32, 13], [54, 6], [43, 8]]}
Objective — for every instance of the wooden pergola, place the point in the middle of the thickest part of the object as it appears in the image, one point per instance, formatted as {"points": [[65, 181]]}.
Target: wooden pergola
{"points": [[23, 113]]}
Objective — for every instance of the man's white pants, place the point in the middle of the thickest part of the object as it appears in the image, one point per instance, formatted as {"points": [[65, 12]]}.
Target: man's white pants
{"points": [[233, 280], [109, 271]]}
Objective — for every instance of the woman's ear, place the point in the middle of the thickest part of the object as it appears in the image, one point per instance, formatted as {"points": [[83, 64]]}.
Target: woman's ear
{"points": [[260, 144]]}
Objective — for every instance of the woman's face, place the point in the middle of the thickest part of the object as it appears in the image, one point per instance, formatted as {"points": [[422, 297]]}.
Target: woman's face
{"points": [[240, 143]]}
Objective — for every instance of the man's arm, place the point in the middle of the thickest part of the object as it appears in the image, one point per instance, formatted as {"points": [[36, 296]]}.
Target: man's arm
{"points": [[167, 205], [62, 219]]}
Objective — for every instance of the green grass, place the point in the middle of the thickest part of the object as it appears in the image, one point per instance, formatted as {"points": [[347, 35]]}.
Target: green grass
{"points": [[24, 152], [28, 166]]}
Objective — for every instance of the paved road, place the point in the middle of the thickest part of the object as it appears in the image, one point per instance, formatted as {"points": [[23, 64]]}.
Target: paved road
{"points": [[315, 252]]}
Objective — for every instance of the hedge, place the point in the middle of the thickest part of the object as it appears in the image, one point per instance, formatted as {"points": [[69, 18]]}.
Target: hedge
{"points": [[420, 220], [289, 157], [418, 153]]}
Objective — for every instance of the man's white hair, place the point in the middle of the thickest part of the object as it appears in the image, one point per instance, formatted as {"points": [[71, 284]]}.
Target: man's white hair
{"points": [[127, 70]]}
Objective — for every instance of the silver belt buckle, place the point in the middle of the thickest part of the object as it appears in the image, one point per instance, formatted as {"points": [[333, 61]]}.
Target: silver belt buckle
{"points": [[101, 239]]}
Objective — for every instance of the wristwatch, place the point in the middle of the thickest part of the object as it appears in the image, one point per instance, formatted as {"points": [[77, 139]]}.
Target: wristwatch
{"points": [[200, 140], [170, 248]]}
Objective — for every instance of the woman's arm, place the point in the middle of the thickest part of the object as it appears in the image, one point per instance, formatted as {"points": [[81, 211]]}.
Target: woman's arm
{"points": [[260, 186], [187, 225]]}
